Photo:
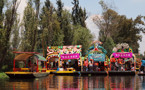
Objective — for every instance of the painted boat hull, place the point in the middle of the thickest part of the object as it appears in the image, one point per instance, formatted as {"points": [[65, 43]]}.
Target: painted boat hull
{"points": [[93, 73], [121, 73], [67, 73], [27, 74], [141, 74]]}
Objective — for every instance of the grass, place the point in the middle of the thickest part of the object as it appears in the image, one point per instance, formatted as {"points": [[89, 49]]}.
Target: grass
{"points": [[3, 75]]}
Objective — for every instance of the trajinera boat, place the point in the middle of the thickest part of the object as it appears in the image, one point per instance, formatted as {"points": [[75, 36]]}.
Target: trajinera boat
{"points": [[28, 65]]}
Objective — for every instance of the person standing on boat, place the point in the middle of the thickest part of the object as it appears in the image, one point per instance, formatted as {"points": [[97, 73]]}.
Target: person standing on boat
{"points": [[29, 63], [91, 65], [112, 64], [142, 65], [86, 65], [120, 60]]}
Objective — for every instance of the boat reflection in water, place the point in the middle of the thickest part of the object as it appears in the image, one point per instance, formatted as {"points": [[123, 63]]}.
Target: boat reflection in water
{"points": [[75, 83]]}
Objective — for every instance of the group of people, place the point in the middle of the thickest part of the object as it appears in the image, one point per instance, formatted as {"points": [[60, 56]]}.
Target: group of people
{"points": [[32, 66], [122, 64], [93, 66]]}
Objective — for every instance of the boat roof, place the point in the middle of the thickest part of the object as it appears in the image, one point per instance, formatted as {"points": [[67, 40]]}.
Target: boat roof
{"points": [[23, 56]]}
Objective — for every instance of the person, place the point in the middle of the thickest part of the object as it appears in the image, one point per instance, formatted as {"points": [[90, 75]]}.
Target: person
{"points": [[76, 65], [106, 65], [56, 64], [132, 67], [128, 65], [85, 65], [142, 65], [116, 66], [33, 67], [64, 65], [29, 63], [120, 62], [112, 65], [90, 65], [96, 66]]}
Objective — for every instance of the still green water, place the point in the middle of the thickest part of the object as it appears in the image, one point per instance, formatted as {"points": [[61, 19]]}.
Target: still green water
{"points": [[75, 83]]}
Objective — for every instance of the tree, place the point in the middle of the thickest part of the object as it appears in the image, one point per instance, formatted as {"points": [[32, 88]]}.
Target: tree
{"points": [[67, 28], [75, 12], [82, 36], [37, 6], [1, 12], [59, 11], [119, 28], [109, 45], [10, 17], [30, 24]]}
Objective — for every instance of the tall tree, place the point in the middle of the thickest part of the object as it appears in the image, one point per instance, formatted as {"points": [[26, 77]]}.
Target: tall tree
{"points": [[10, 17], [1, 12], [79, 15], [82, 36], [59, 11], [30, 24], [75, 12], [119, 28], [37, 7]]}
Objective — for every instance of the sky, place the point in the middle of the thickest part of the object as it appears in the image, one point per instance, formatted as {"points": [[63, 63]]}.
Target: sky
{"points": [[129, 8]]}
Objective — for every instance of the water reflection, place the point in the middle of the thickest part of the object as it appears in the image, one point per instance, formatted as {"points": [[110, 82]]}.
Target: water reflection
{"points": [[75, 83]]}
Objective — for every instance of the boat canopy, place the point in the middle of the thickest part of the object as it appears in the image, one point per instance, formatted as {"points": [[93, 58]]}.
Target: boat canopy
{"points": [[22, 56]]}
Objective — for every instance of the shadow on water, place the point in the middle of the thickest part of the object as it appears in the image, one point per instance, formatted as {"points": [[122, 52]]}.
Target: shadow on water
{"points": [[75, 83]]}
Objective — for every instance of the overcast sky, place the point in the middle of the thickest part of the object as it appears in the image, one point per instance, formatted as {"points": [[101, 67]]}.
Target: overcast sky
{"points": [[130, 8]]}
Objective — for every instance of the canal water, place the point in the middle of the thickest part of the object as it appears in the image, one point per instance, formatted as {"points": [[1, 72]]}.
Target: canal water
{"points": [[75, 83]]}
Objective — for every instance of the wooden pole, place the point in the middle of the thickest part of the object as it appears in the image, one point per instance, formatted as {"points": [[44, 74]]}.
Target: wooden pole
{"points": [[14, 65], [81, 64], [37, 66], [59, 63]]}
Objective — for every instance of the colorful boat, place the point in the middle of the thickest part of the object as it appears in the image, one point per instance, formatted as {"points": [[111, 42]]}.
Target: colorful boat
{"points": [[66, 56], [122, 60], [96, 55], [28, 65]]}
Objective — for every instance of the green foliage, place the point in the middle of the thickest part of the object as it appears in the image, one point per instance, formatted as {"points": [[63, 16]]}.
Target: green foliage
{"points": [[3, 76], [82, 36], [119, 28], [78, 14], [109, 45], [5, 32], [30, 27]]}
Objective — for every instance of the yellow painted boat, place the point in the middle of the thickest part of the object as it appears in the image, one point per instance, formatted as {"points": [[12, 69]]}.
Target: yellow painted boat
{"points": [[27, 74]]}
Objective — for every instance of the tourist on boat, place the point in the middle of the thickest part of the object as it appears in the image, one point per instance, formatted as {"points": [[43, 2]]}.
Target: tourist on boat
{"points": [[29, 63], [96, 66], [120, 62], [132, 67], [102, 67], [112, 64], [64, 65], [33, 67], [128, 65], [76, 65], [85, 65], [91, 65], [56, 64], [106, 65], [116, 66], [142, 65]]}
